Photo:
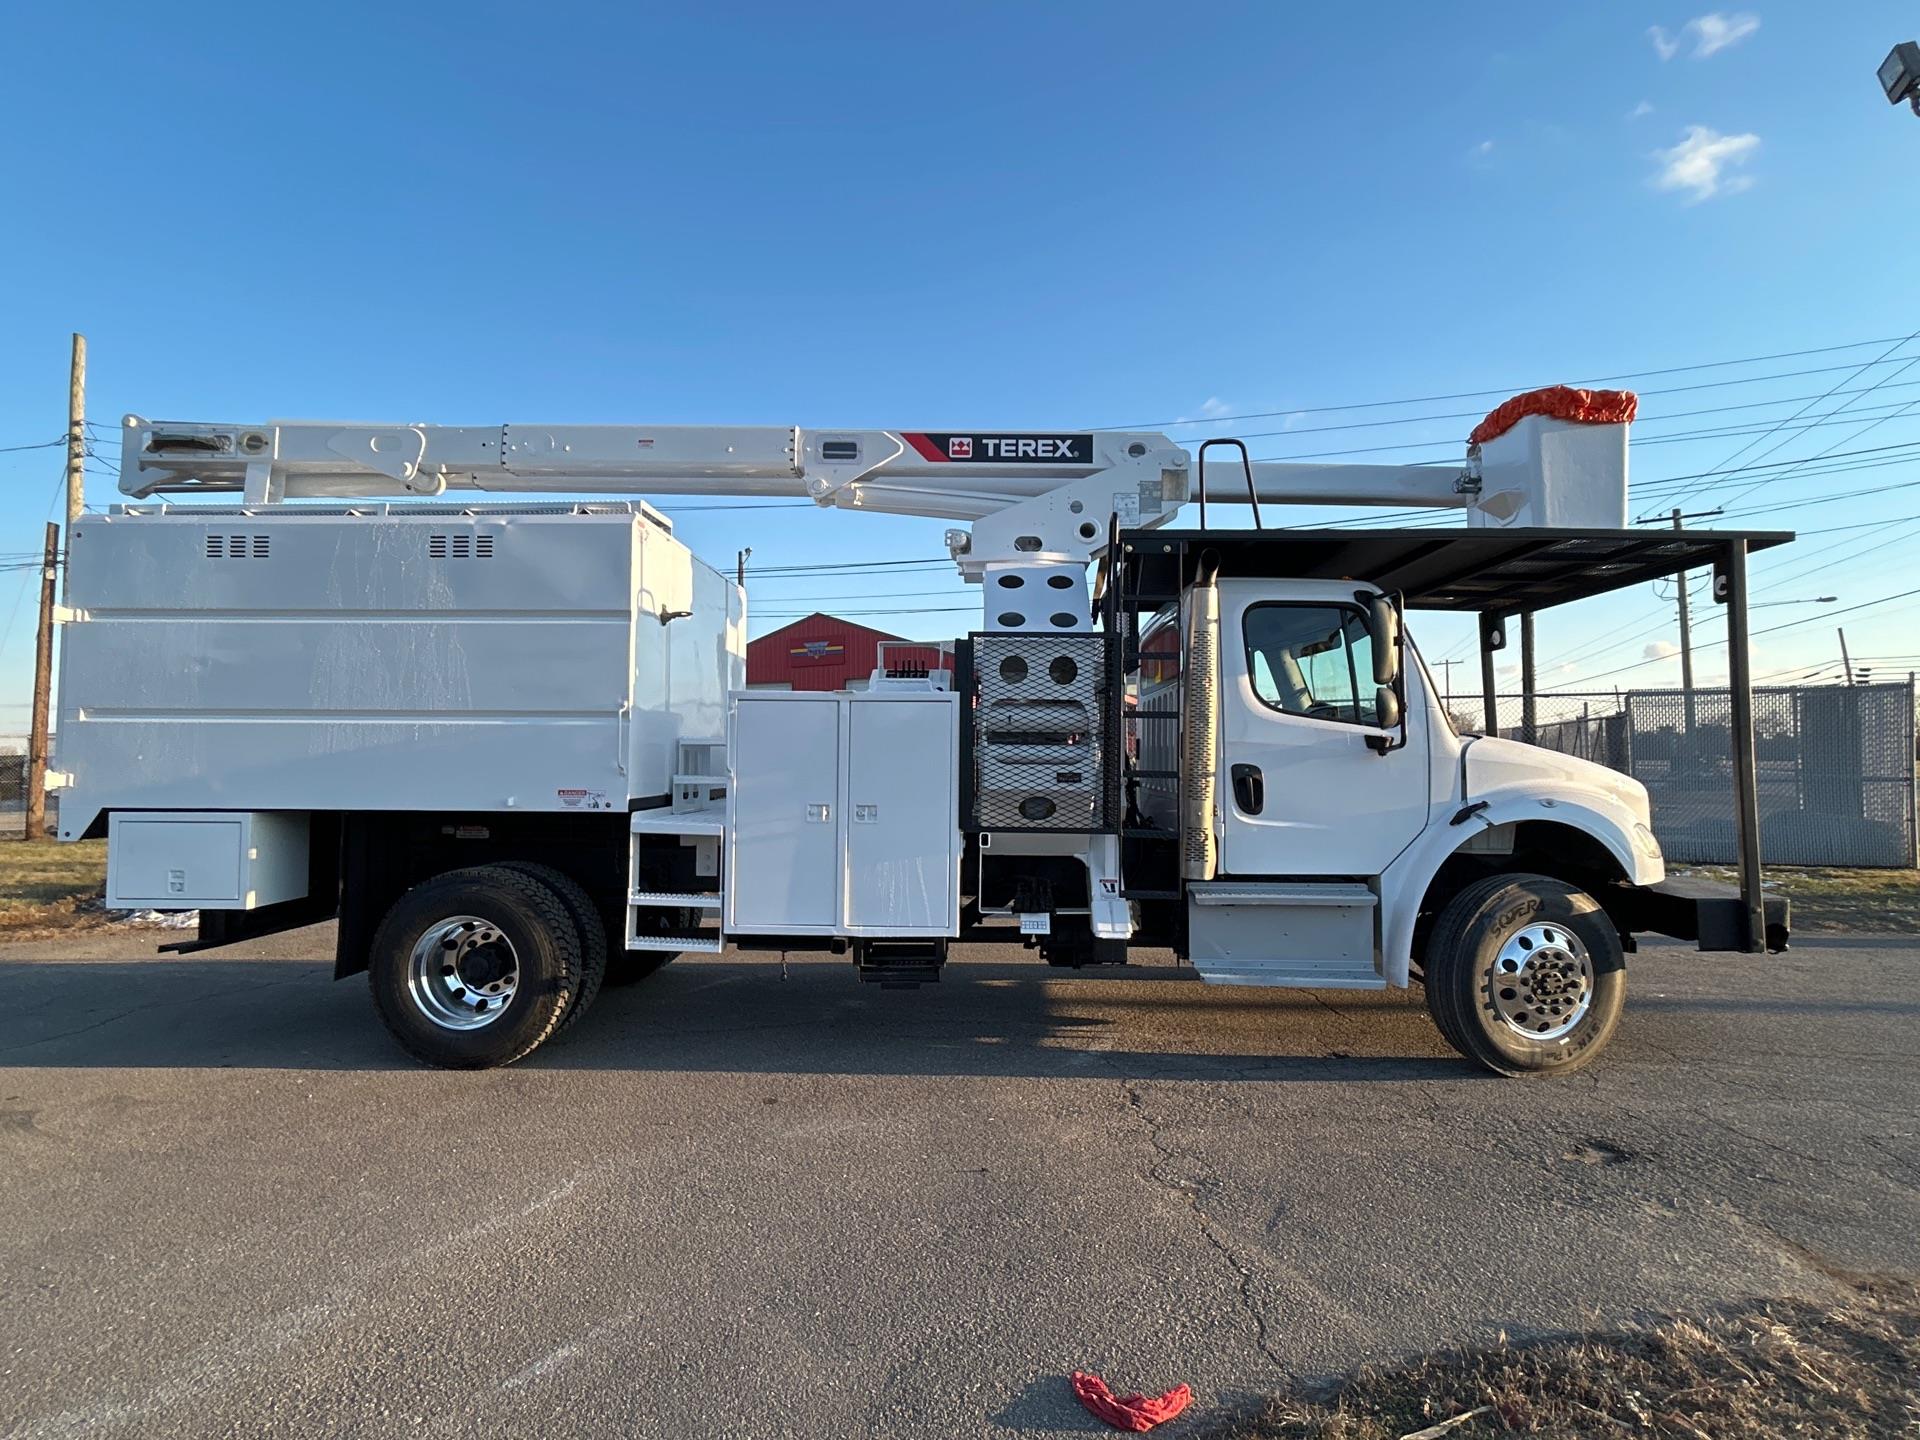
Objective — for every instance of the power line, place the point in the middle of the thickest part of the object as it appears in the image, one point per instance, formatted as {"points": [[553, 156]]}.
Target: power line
{"points": [[1478, 394], [1871, 424], [891, 610], [844, 565], [1717, 432], [1897, 345], [1824, 615], [1908, 449], [1476, 414]]}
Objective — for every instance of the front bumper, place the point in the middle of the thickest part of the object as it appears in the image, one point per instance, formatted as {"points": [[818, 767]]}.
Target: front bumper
{"points": [[1705, 911]]}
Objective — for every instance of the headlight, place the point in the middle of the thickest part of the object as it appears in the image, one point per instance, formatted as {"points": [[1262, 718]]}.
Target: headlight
{"points": [[1644, 839]]}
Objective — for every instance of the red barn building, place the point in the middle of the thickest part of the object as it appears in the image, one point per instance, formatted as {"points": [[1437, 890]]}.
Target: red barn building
{"points": [[824, 652]]}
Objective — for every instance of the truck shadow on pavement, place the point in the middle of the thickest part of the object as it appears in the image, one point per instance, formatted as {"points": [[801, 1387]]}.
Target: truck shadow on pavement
{"points": [[737, 1015]]}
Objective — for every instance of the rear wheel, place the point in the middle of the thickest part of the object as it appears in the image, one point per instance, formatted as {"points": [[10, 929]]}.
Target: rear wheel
{"points": [[1525, 975], [476, 967], [590, 927]]}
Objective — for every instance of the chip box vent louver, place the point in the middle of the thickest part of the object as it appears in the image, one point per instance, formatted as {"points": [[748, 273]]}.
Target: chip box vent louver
{"points": [[238, 547], [460, 546]]}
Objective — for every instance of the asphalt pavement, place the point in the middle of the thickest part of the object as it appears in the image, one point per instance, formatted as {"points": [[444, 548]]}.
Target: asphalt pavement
{"points": [[732, 1204]]}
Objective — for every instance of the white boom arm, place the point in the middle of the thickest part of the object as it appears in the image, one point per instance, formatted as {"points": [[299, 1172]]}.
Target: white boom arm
{"points": [[1034, 499]]}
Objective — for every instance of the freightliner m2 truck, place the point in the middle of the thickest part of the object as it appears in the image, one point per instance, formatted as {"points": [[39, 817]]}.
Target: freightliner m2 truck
{"points": [[506, 744]]}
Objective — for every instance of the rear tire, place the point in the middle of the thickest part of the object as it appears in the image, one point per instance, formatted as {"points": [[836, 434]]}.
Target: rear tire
{"points": [[587, 922], [1525, 975], [475, 968]]}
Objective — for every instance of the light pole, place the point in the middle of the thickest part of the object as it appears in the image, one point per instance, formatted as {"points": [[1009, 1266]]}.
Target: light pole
{"points": [[1900, 75]]}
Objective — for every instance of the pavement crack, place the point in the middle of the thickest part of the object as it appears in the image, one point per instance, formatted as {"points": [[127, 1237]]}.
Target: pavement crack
{"points": [[1209, 1232]]}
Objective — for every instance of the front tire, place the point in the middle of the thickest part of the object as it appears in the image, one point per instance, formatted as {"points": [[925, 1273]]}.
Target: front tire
{"points": [[475, 968], [1525, 975]]}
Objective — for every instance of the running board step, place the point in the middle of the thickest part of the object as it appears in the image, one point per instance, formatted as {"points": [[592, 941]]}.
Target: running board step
{"points": [[1297, 934]]}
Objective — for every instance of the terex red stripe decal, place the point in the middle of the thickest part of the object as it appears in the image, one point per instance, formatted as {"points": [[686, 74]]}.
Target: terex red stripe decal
{"points": [[926, 448]]}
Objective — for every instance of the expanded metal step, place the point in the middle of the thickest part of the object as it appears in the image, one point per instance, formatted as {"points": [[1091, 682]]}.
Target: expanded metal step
{"points": [[680, 944], [668, 900]]}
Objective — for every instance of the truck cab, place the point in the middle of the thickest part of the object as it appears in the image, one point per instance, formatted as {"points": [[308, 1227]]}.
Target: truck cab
{"points": [[1313, 816]]}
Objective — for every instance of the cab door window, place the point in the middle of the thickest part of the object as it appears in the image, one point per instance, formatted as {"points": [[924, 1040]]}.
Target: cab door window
{"points": [[1315, 661]]}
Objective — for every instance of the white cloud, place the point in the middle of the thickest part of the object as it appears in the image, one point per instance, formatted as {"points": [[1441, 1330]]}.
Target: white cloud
{"points": [[1484, 148], [1645, 107], [1660, 650], [1714, 33], [1214, 407], [1707, 34], [1699, 164]]}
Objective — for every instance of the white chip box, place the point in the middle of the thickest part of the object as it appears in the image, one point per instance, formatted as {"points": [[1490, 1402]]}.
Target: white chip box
{"points": [[205, 860]]}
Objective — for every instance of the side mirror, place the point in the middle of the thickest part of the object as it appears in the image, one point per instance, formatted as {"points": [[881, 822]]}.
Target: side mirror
{"points": [[1388, 715], [1383, 624]]}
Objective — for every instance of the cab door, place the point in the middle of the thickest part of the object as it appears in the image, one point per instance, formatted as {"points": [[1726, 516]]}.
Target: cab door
{"points": [[1300, 791]]}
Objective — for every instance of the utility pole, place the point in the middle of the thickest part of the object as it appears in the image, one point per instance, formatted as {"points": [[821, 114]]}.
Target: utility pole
{"points": [[1846, 661], [42, 694], [76, 434], [1448, 665], [740, 567], [1686, 638]]}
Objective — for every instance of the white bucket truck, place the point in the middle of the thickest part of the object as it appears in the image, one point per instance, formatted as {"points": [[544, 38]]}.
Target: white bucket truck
{"points": [[508, 745]]}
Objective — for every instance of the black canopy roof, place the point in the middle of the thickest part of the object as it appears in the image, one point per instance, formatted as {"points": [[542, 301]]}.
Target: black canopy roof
{"points": [[1498, 571]]}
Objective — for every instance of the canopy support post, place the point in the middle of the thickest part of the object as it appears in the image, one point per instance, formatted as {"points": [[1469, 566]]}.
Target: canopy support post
{"points": [[1731, 584], [1529, 689], [1493, 636]]}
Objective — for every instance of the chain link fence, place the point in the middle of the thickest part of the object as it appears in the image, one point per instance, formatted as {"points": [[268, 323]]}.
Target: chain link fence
{"points": [[13, 782], [13, 791], [1835, 765]]}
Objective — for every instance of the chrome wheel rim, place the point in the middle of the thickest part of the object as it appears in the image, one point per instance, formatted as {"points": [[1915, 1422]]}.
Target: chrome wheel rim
{"points": [[463, 973], [1542, 981]]}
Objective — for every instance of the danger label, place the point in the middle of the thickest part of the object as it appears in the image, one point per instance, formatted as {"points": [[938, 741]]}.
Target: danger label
{"points": [[583, 799]]}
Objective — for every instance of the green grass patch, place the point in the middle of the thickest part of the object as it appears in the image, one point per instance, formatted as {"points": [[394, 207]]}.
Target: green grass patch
{"points": [[41, 880]]}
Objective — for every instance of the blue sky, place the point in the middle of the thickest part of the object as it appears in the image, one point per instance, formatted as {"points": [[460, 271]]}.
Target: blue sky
{"points": [[1014, 215]]}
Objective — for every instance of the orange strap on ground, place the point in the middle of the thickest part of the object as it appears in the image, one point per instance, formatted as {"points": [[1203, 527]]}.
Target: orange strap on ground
{"points": [[1129, 1412], [1558, 402]]}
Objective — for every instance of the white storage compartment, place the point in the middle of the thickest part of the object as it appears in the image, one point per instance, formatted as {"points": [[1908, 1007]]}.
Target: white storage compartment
{"points": [[902, 816], [844, 814], [784, 803], [187, 860]]}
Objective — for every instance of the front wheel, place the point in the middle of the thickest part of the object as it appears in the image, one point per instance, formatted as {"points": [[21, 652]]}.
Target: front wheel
{"points": [[1525, 975]]}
